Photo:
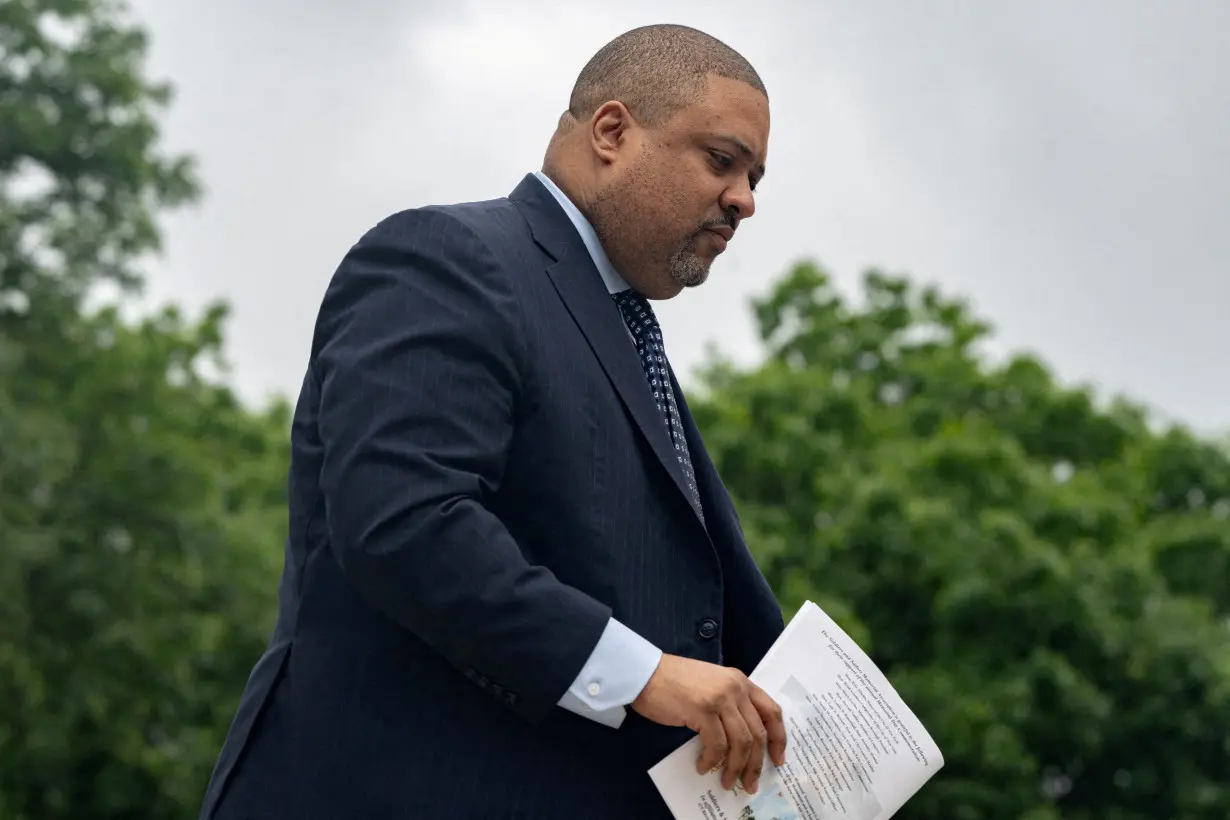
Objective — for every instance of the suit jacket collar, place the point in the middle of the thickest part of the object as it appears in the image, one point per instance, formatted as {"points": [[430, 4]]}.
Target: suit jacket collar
{"points": [[589, 237], [577, 281]]}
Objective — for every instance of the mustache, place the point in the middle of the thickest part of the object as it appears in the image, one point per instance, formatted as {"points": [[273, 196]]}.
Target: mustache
{"points": [[728, 220]]}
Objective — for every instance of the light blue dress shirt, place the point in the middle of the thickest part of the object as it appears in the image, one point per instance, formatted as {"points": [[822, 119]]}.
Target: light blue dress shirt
{"points": [[622, 662]]}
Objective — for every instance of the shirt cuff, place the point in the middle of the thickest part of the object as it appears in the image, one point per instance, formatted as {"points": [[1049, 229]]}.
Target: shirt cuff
{"points": [[617, 670]]}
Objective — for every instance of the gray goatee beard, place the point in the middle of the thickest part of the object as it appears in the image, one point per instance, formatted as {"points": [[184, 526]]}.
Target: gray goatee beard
{"points": [[687, 269]]}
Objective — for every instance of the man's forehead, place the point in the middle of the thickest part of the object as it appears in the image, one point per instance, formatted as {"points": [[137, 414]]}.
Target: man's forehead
{"points": [[734, 93], [735, 107], [746, 133]]}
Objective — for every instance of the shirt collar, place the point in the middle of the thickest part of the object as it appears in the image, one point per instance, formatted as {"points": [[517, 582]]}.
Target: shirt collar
{"points": [[614, 282]]}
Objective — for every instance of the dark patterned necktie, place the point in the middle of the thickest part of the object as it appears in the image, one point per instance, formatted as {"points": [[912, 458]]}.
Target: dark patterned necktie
{"points": [[645, 330]]}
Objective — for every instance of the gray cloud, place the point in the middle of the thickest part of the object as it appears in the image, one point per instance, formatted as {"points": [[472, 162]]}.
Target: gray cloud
{"points": [[1065, 166]]}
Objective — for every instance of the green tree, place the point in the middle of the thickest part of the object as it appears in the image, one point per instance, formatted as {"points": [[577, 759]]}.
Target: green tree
{"points": [[1043, 579], [140, 504]]}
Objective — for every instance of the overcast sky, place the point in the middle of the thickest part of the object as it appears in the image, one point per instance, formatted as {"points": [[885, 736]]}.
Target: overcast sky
{"points": [[1065, 166]]}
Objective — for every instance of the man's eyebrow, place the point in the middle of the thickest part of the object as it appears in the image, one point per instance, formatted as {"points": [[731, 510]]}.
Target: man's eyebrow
{"points": [[744, 149]]}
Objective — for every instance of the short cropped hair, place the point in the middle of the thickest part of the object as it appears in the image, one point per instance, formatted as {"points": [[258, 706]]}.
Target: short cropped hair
{"points": [[656, 71]]}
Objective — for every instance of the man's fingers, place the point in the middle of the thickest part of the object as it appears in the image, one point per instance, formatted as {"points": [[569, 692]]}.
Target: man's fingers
{"points": [[750, 776], [714, 747], [740, 740], [775, 728], [737, 722]]}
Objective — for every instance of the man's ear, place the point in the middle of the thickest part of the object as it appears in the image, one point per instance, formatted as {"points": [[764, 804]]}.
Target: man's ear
{"points": [[609, 130]]}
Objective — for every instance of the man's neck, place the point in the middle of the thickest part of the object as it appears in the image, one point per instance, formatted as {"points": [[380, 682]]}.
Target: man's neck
{"points": [[567, 183], [614, 282]]}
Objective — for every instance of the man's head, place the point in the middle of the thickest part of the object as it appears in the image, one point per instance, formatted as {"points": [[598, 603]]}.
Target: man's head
{"points": [[661, 147]]}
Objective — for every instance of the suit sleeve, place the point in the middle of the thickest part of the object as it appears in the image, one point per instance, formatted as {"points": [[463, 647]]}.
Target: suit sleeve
{"points": [[419, 356]]}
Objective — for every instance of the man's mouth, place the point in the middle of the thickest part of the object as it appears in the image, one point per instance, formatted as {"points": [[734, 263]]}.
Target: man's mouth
{"points": [[720, 235]]}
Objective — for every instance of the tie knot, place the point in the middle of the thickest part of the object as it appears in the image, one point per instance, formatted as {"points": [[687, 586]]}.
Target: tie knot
{"points": [[637, 312]]}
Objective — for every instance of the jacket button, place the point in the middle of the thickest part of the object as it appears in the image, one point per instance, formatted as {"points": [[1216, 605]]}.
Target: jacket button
{"points": [[708, 629]]}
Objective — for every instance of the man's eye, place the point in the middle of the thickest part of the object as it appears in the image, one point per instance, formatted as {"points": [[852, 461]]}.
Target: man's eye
{"points": [[722, 160]]}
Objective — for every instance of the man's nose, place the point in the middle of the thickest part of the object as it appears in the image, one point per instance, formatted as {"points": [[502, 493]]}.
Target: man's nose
{"points": [[740, 200]]}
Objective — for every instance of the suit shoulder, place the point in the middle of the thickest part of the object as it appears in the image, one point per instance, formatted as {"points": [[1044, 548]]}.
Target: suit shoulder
{"points": [[494, 222], [468, 245], [428, 256], [497, 221]]}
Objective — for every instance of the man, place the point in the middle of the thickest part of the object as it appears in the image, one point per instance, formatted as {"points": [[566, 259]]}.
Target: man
{"points": [[514, 580]]}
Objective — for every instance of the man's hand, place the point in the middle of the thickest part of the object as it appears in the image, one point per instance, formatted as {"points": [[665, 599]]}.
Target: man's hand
{"points": [[733, 716]]}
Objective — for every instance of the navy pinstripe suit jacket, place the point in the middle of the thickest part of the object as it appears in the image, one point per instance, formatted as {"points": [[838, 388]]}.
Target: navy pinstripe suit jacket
{"points": [[479, 480]]}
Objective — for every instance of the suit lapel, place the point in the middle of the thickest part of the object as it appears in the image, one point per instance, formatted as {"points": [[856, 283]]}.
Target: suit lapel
{"points": [[583, 293], [598, 317]]}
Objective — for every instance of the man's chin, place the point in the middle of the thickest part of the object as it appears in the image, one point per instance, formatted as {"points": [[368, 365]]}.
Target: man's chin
{"points": [[694, 275]]}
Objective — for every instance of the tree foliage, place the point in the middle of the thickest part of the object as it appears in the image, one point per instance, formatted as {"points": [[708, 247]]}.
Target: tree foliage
{"points": [[1042, 578], [140, 503]]}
